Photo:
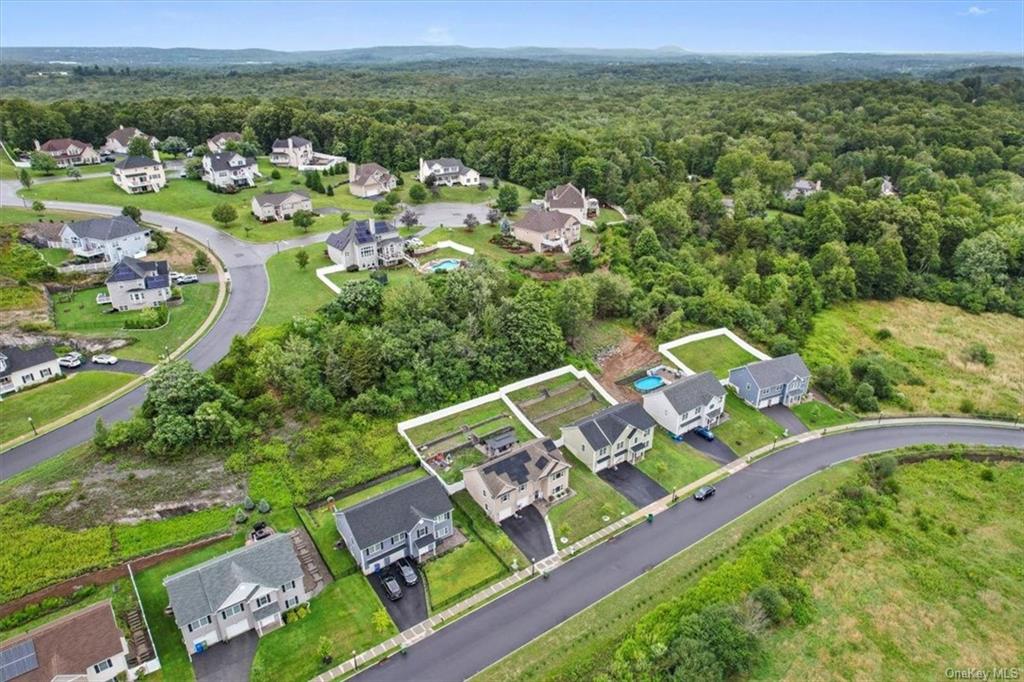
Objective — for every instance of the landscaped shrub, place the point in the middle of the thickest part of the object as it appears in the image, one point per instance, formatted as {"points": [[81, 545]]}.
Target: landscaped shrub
{"points": [[883, 334], [150, 318], [263, 507], [775, 606], [864, 398], [241, 517], [987, 474], [248, 504], [48, 605]]}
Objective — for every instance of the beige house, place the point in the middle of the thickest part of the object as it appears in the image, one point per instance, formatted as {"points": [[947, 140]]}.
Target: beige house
{"points": [[448, 172], [117, 141], [532, 472], [67, 152], [571, 201], [280, 205], [547, 230], [139, 174], [24, 367], [369, 179], [292, 151], [219, 142], [136, 284], [615, 435]]}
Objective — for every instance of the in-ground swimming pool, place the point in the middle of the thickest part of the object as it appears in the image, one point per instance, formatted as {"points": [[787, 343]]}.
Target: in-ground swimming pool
{"points": [[445, 265], [647, 384]]}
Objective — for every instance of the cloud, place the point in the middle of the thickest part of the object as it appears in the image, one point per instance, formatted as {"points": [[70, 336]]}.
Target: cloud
{"points": [[437, 35], [975, 11]]}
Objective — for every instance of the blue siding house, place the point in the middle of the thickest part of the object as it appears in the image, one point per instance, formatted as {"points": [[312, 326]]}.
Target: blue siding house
{"points": [[778, 381]]}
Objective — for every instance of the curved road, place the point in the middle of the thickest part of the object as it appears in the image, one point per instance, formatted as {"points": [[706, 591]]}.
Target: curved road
{"points": [[483, 637]]}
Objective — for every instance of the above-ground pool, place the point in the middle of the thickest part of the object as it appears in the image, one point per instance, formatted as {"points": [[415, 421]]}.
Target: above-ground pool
{"points": [[648, 384], [446, 265]]}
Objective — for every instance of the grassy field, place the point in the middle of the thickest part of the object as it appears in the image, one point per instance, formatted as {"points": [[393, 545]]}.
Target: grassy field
{"points": [[673, 464], [293, 290], [580, 390], [395, 276], [537, 390], [473, 195], [464, 570], [818, 415], [83, 316], [746, 429], [928, 341], [54, 256], [594, 506], [718, 354], [54, 400]]}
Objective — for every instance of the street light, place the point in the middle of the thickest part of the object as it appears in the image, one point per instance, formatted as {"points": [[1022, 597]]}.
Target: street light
{"points": [[33, 425]]}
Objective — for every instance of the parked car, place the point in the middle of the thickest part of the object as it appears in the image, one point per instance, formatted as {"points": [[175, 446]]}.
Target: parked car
{"points": [[70, 360], [104, 359], [186, 279], [391, 588], [174, 274], [102, 299], [704, 433], [704, 492], [408, 573]]}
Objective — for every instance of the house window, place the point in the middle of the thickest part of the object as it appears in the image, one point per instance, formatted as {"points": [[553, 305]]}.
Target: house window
{"points": [[522, 487], [395, 539], [443, 517], [43, 373], [559, 474], [443, 532], [196, 624], [288, 586], [103, 665], [262, 601], [504, 498], [232, 610], [373, 549], [290, 602], [25, 378], [421, 532]]}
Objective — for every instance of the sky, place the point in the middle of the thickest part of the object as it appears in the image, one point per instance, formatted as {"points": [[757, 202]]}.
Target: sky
{"points": [[741, 26]]}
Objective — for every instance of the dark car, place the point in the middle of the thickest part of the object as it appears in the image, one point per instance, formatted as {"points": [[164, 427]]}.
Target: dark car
{"points": [[704, 433], [392, 589], [409, 576], [704, 492]]}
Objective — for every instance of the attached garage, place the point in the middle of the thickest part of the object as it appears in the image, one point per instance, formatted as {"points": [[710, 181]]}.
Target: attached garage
{"points": [[236, 629], [206, 641]]}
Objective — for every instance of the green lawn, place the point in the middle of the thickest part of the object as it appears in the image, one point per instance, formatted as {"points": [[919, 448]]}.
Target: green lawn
{"points": [[471, 417], [818, 415], [551, 426], [343, 613], [718, 354], [395, 276], [83, 316], [380, 488], [295, 291], [54, 400], [595, 505], [471, 195], [673, 464], [54, 256], [8, 171], [23, 298], [537, 390], [746, 429], [462, 571], [488, 531]]}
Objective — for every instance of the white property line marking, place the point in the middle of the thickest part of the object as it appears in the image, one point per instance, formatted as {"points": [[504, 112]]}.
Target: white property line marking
{"points": [[448, 244], [700, 336], [321, 274]]}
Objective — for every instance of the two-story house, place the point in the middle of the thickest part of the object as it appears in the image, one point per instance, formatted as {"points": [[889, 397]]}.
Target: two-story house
{"points": [[534, 471], [547, 230], [139, 174], [246, 589], [616, 434], [68, 152], [292, 151], [802, 188], [230, 169], [86, 645], [117, 141], [778, 381], [280, 205], [405, 523], [447, 172], [366, 245], [219, 142], [370, 180], [24, 367], [108, 238], [572, 201], [685, 404], [136, 284]]}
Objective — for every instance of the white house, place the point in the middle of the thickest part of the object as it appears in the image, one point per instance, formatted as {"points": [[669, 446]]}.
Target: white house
{"points": [[230, 169], [108, 238], [68, 152], [448, 172], [135, 284], [618, 434], [569, 200], [219, 142], [685, 404], [370, 180], [292, 151], [366, 245], [24, 367], [139, 174], [280, 205], [118, 140]]}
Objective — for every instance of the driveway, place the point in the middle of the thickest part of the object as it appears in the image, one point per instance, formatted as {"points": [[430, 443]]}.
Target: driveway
{"points": [[227, 661], [411, 608], [784, 417], [530, 534], [716, 449], [635, 485], [447, 213], [127, 366]]}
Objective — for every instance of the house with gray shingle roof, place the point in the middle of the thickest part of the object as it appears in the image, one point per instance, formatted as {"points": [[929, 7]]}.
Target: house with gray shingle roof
{"points": [[219, 142], [547, 230], [291, 151], [140, 174], [366, 245], [230, 169], [572, 201], [118, 140], [108, 238], [405, 523], [532, 472], [370, 179], [448, 172], [246, 589], [280, 205], [24, 367], [135, 284], [685, 404], [616, 434], [778, 381]]}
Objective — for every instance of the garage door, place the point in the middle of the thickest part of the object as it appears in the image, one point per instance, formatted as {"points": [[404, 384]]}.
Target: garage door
{"points": [[768, 402], [236, 629], [206, 642]]}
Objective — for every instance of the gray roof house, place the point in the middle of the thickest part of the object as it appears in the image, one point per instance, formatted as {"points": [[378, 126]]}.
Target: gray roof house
{"points": [[777, 381], [280, 205], [572, 201], [405, 523], [23, 367], [616, 434], [246, 589], [447, 171], [230, 169], [134, 284], [694, 401], [366, 245], [801, 188], [291, 151], [532, 472], [219, 142], [369, 179], [108, 238]]}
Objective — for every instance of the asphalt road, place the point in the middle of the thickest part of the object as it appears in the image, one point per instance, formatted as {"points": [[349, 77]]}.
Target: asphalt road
{"points": [[485, 636]]}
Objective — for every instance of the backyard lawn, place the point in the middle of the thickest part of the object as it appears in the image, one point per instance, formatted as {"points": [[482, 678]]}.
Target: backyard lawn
{"points": [[673, 464], [746, 429], [564, 394], [82, 315], [462, 571], [54, 256], [818, 415], [482, 419], [488, 531], [718, 354], [54, 400], [293, 290], [595, 505], [473, 195]]}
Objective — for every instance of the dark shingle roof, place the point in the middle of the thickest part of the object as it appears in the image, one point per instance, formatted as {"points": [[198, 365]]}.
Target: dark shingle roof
{"points": [[365, 172], [529, 462], [105, 228], [778, 370], [296, 142], [543, 221], [221, 161], [22, 358], [692, 391], [564, 196], [130, 162], [277, 198], [603, 428], [155, 274], [61, 144], [125, 135], [359, 230], [396, 511], [201, 590], [448, 163]]}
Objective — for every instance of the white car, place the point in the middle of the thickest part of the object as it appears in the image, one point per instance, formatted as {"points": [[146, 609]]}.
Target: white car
{"points": [[186, 279], [104, 359], [70, 360], [174, 274]]}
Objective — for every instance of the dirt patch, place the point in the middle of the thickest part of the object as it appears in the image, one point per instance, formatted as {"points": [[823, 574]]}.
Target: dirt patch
{"points": [[635, 352], [178, 252]]}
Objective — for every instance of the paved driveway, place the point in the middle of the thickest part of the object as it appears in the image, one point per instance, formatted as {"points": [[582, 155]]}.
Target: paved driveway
{"points": [[530, 534], [785, 418], [447, 213], [716, 449], [227, 661], [635, 485], [127, 366], [411, 608]]}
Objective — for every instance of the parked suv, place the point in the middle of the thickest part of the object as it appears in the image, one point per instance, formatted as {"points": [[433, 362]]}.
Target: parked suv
{"points": [[704, 433], [409, 576], [391, 588], [70, 360]]}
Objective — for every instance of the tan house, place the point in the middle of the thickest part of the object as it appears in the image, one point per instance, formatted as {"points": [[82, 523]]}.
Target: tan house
{"points": [[369, 179], [68, 152], [135, 284], [802, 188], [118, 140], [280, 205], [139, 174], [532, 472], [547, 230], [571, 201], [219, 142], [615, 435]]}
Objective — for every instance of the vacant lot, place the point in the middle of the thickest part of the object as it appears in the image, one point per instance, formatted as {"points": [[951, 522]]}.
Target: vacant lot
{"points": [[554, 403], [595, 505], [818, 415], [746, 429], [928, 341], [718, 354], [54, 400], [673, 464], [295, 291]]}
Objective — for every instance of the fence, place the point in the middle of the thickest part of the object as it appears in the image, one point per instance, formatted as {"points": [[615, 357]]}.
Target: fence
{"points": [[87, 267]]}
